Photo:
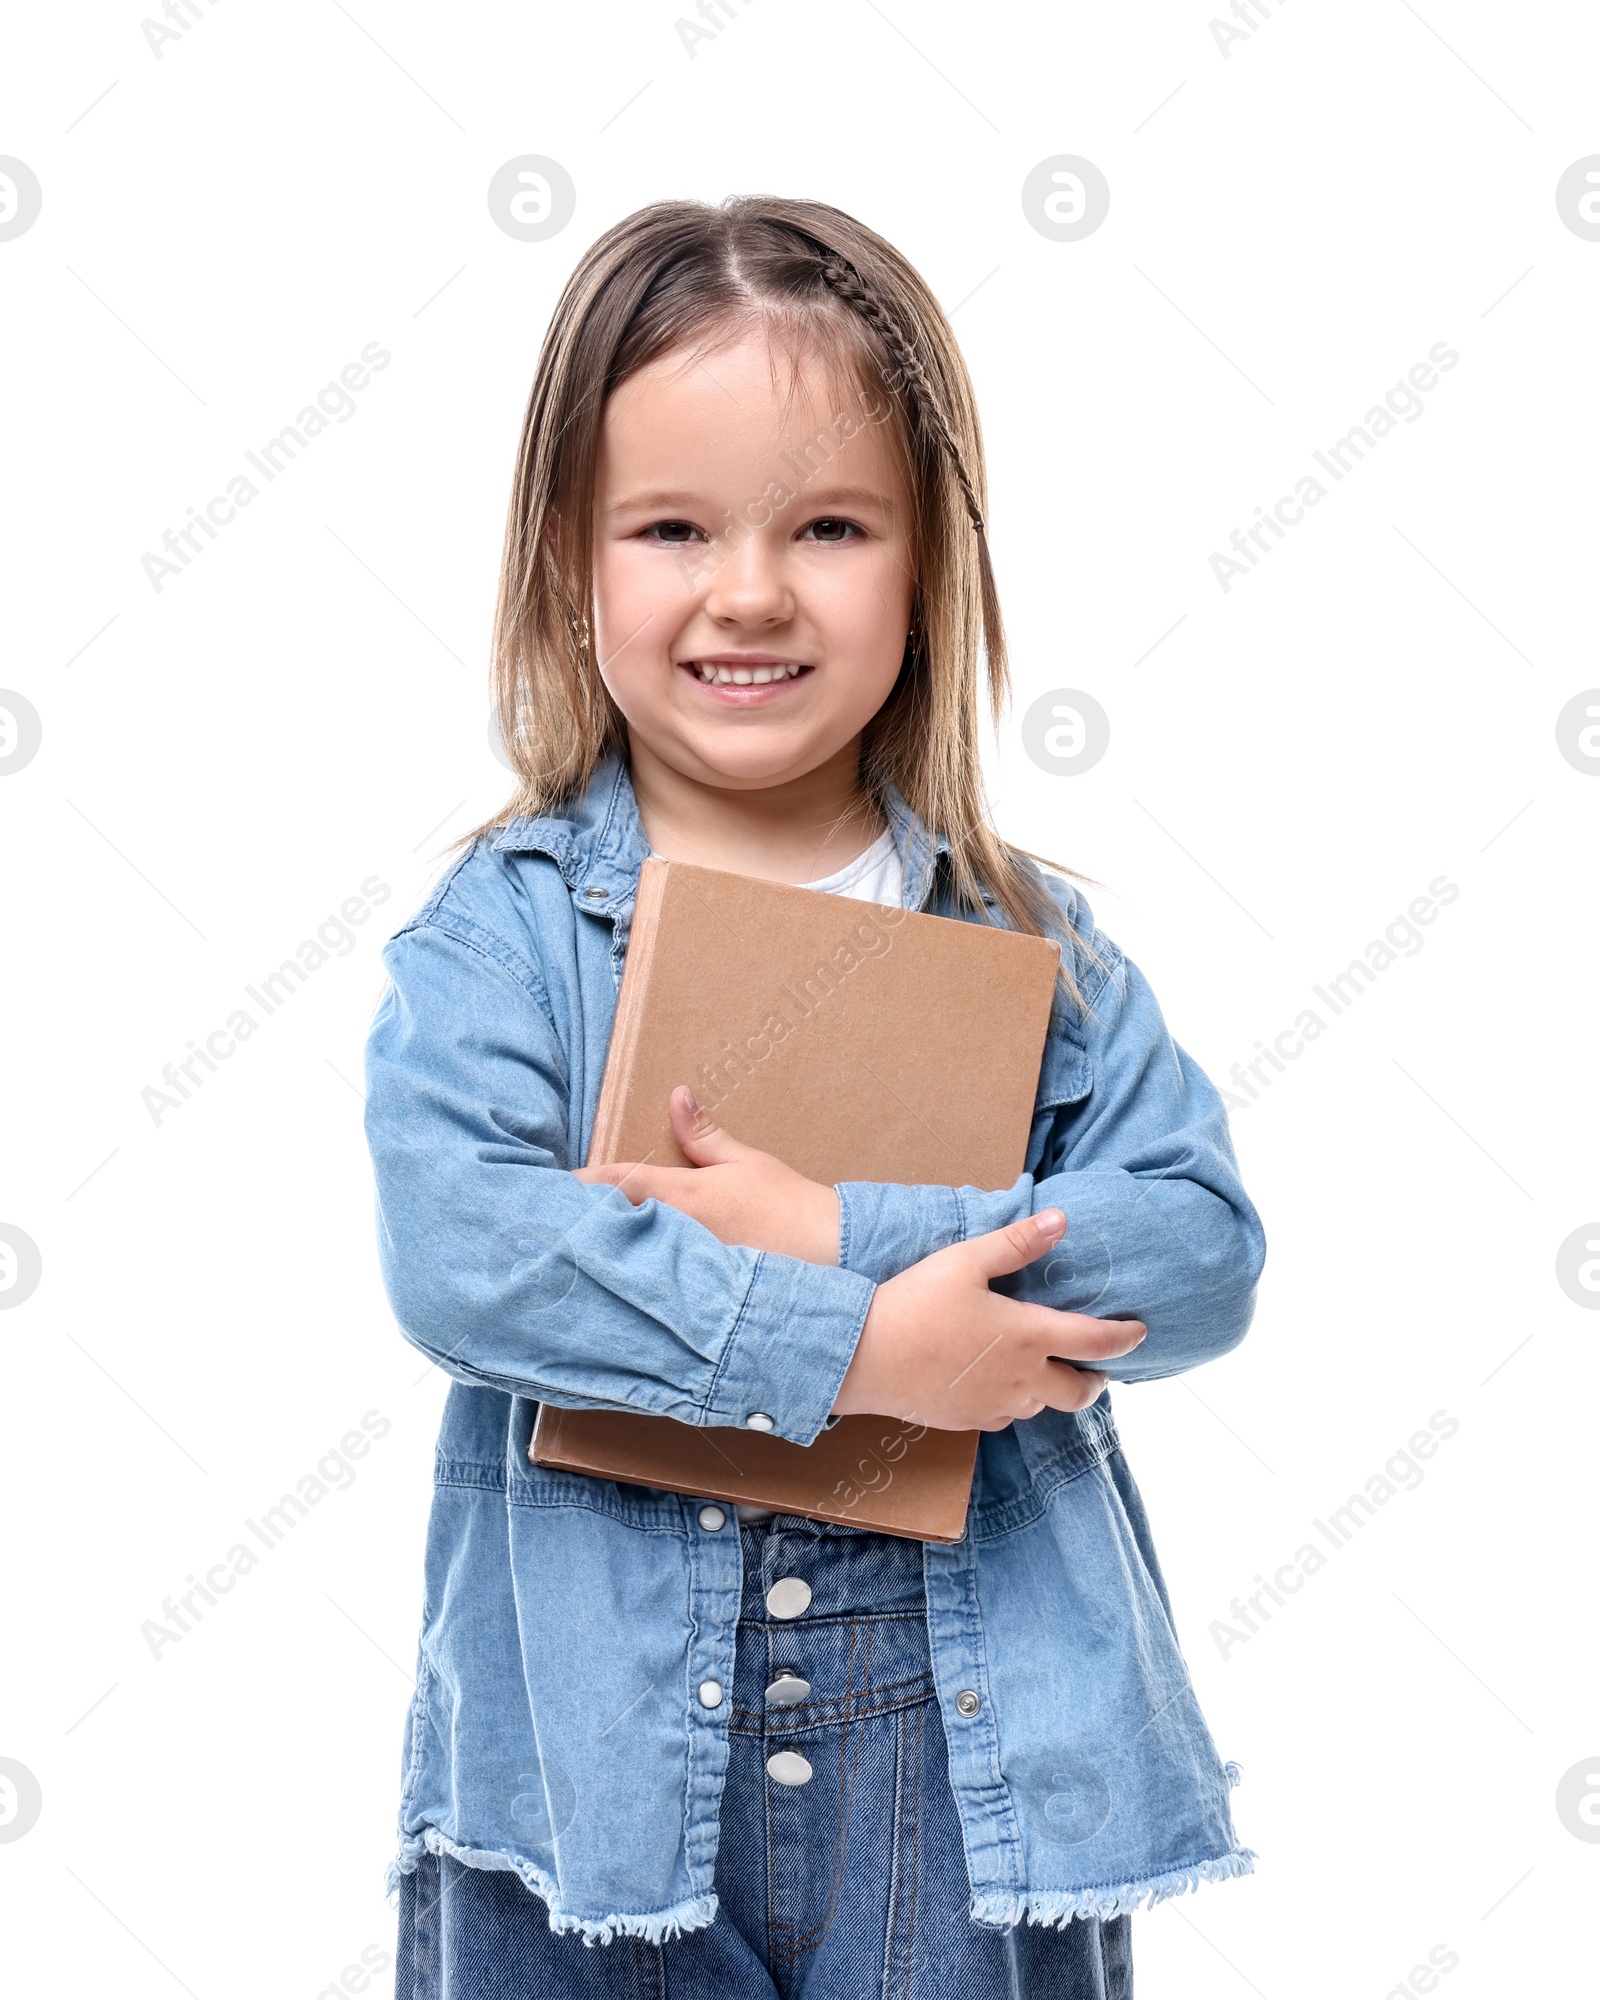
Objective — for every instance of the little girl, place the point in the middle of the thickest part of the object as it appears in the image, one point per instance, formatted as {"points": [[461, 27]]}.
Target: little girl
{"points": [[655, 1749]]}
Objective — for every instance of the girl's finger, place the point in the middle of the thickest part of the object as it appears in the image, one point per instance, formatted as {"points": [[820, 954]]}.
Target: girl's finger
{"points": [[1017, 1243], [698, 1133], [638, 1183], [1069, 1388], [1075, 1337]]}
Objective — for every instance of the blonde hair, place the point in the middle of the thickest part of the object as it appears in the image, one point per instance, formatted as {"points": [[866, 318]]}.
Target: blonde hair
{"points": [[680, 272]]}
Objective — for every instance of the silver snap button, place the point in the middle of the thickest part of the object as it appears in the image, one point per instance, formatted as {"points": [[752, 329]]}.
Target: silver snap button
{"points": [[594, 895], [788, 1767], [787, 1691], [758, 1420], [967, 1703], [711, 1694], [788, 1597], [712, 1518]]}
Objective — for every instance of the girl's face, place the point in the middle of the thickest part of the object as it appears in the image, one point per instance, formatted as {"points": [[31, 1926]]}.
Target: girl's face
{"points": [[753, 562]]}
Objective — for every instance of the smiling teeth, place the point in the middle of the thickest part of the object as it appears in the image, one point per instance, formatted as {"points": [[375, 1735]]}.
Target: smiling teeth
{"points": [[744, 676]]}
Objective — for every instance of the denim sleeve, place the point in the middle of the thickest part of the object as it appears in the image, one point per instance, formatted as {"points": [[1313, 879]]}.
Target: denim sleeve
{"points": [[1159, 1227], [513, 1275]]}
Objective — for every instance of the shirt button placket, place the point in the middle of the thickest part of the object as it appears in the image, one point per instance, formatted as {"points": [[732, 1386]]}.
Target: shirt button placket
{"points": [[711, 1692]]}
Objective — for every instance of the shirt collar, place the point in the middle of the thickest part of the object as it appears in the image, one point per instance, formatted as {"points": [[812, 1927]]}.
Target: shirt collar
{"points": [[598, 841]]}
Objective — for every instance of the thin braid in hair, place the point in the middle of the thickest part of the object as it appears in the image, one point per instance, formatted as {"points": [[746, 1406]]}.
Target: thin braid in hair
{"points": [[840, 278], [845, 282]]}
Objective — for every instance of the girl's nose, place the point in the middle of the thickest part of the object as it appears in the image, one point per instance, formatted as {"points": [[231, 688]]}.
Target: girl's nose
{"points": [[748, 587]]}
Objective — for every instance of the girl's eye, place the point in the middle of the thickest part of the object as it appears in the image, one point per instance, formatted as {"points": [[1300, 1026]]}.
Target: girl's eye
{"points": [[672, 534], [831, 529]]}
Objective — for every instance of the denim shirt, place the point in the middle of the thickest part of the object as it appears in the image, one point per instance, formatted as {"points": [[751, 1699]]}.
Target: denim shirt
{"points": [[568, 1622]]}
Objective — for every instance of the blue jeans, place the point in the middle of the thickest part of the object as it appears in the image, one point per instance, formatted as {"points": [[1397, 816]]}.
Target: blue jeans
{"points": [[849, 1885]]}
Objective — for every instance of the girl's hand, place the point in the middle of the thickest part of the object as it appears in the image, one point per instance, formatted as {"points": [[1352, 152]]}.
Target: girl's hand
{"points": [[741, 1195], [939, 1348]]}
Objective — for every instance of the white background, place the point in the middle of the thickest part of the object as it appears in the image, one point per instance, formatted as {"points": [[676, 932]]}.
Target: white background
{"points": [[1292, 226]]}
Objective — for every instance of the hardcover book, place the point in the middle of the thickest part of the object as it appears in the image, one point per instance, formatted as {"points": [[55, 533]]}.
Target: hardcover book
{"points": [[857, 1042]]}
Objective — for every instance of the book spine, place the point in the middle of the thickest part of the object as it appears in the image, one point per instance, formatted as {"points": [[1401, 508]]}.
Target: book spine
{"points": [[622, 1056]]}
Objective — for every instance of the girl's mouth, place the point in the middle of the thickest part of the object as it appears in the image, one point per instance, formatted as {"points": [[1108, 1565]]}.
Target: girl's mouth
{"points": [[744, 678]]}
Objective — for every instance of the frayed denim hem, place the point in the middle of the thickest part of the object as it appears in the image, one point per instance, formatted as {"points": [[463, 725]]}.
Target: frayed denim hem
{"points": [[1061, 1906], [655, 1927]]}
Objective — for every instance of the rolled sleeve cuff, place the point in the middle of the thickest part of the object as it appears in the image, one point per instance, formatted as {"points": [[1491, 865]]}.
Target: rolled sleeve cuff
{"points": [[789, 1349], [884, 1228], [983, 1210]]}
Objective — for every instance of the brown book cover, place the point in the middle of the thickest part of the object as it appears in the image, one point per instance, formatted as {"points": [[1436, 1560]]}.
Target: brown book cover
{"points": [[857, 1042]]}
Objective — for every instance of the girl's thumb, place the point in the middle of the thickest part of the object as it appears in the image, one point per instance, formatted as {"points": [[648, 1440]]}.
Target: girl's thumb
{"points": [[698, 1133], [1018, 1243]]}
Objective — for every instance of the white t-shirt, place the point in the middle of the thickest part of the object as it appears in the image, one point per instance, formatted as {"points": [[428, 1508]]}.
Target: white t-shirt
{"points": [[875, 876]]}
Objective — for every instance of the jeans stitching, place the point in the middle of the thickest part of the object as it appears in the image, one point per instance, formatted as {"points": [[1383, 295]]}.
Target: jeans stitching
{"points": [[647, 1961], [835, 1710], [423, 1936], [923, 1718], [898, 1956], [916, 1848], [1120, 1934]]}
